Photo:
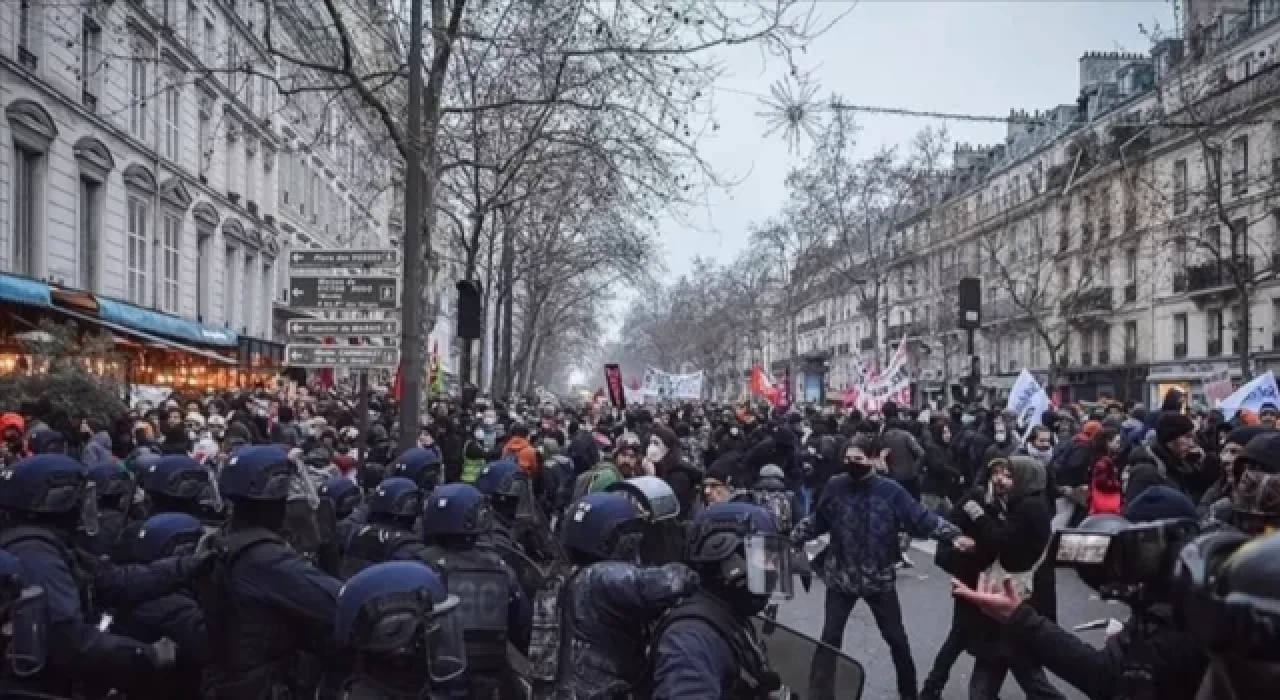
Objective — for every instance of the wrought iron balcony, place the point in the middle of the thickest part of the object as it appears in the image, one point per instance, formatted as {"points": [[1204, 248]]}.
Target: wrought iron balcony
{"points": [[1089, 301], [1213, 275]]}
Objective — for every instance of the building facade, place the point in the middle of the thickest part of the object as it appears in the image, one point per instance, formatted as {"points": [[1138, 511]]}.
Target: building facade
{"points": [[1121, 240]]}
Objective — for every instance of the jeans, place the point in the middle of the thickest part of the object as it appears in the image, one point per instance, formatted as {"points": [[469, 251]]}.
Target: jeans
{"points": [[887, 612], [987, 678], [950, 650]]}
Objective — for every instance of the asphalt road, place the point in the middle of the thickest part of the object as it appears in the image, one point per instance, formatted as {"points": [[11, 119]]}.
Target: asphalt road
{"points": [[925, 592]]}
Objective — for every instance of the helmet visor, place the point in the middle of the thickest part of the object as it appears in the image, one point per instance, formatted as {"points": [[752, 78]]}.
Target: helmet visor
{"points": [[769, 565], [446, 652]]}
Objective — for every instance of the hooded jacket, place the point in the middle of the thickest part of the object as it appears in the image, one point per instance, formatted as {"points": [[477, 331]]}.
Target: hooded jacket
{"points": [[98, 450], [525, 455]]}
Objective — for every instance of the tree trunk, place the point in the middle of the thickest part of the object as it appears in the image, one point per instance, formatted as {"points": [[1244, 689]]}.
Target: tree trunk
{"points": [[508, 302]]}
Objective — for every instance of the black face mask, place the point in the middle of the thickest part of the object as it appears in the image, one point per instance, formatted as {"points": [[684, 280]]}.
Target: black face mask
{"points": [[858, 470]]}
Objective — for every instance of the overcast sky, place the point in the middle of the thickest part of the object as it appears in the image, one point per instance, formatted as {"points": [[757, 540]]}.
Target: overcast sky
{"points": [[945, 56]]}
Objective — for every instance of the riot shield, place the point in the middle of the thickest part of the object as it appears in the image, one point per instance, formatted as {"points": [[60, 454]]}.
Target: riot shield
{"points": [[482, 614], [532, 577], [808, 668]]}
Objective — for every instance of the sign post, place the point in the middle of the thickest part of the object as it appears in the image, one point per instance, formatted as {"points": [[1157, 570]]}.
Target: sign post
{"points": [[344, 329], [342, 259], [353, 356], [344, 293]]}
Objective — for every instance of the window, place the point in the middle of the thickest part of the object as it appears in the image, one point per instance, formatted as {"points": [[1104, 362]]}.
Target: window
{"points": [[204, 150], [90, 218], [172, 115], [1064, 274], [192, 25], [90, 62], [27, 30], [286, 177], [1104, 271], [1239, 164], [1239, 237], [1086, 348], [136, 254], [138, 92], [202, 274], [1130, 342], [229, 168], [171, 262], [233, 66], [26, 189], [1086, 270], [1130, 266], [228, 285], [247, 295], [1213, 332], [1104, 345], [264, 95], [250, 171], [210, 43], [1179, 335], [250, 89], [1179, 186]]}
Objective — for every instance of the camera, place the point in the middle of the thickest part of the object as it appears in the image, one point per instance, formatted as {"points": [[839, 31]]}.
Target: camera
{"points": [[1122, 561]]}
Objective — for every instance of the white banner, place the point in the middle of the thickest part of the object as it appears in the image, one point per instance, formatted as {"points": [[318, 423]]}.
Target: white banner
{"points": [[1028, 401], [1252, 396], [153, 394], [665, 386]]}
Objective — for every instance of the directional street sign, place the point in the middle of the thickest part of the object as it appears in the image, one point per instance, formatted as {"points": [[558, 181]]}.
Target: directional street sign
{"points": [[330, 259], [344, 328], [358, 356], [345, 293]]}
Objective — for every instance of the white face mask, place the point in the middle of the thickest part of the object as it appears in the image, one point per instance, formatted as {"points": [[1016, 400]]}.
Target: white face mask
{"points": [[1000, 434], [655, 453]]}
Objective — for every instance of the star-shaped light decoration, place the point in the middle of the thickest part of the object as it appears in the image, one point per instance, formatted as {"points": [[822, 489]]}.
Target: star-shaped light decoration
{"points": [[792, 109]]}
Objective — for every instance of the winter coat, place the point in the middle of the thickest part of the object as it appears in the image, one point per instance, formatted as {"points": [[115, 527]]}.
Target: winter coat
{"points": [[1017, 533], [905, 453], [1071, 462], [98, 451], [1104, 477], [1154, 465], [940, 477]]}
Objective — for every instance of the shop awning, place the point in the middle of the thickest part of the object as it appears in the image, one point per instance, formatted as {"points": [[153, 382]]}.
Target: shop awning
{"points": [[21, 290], [156, 341], [135, 317]]}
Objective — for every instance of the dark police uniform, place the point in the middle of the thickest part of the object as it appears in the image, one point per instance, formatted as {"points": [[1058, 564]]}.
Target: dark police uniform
{"points": [[267, 609]]}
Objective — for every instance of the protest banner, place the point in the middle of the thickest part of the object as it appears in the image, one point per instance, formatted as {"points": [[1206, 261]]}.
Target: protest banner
{"points": [[1251, 396]]}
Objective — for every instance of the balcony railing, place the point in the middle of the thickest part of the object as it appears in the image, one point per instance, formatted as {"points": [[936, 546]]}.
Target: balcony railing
{"points": [[1214, 348], [1087, 301], [1179, 350], [1212, 275], [866, 344]]}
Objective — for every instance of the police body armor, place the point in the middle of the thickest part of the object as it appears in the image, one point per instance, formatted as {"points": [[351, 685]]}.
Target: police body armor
{"points": [[373, 544], [547, 642], [754, 679], [482, 585], [35, 682], [111, 526], [255, 653]]}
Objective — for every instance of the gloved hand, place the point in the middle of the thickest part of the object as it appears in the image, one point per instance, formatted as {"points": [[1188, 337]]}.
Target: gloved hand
{"points": [[974, 510], [208, 549], [164, 653]]}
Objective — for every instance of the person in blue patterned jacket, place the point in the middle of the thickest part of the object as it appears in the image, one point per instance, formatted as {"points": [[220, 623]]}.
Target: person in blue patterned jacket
{"points": [[864, 512]]}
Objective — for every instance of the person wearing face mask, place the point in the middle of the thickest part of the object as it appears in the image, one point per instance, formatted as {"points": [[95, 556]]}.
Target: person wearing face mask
{"points": [[1004, 443], [666, 457], [1039, 445], [1012, 525], [864, 512]]}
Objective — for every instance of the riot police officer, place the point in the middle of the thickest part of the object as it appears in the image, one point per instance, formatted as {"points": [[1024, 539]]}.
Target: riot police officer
{"points": [[179, 484], [492, 608], [663, 538], [706, 647], [398, 619], [339, 499], [517, 522], [268, 610], [393, 508], [422, 465], [609, 602], [24, 647], [174, 616], [115, 490], [44, 499]]}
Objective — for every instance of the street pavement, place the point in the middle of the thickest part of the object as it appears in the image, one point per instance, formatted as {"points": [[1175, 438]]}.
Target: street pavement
{"points": [[925, 592]]}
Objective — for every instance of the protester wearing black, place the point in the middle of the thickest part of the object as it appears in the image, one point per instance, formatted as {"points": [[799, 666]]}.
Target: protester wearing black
{"points": [[1171, 460]]}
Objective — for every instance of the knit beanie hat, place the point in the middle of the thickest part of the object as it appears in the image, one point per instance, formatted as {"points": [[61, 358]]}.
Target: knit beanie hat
{"points": [[1172, 426]]}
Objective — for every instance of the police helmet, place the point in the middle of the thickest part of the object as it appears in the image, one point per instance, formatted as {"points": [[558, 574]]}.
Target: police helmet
{"points": [[11, 570], [257, 473], [176, 476], [396, 496], [45, 483], [422, 465], [111, 480], [771, 471], [456, 509], [740, 545], [652, 496], [502, 478], [344, 493], [166, 534], [391, 606], [596, 524], [142, 460]]}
